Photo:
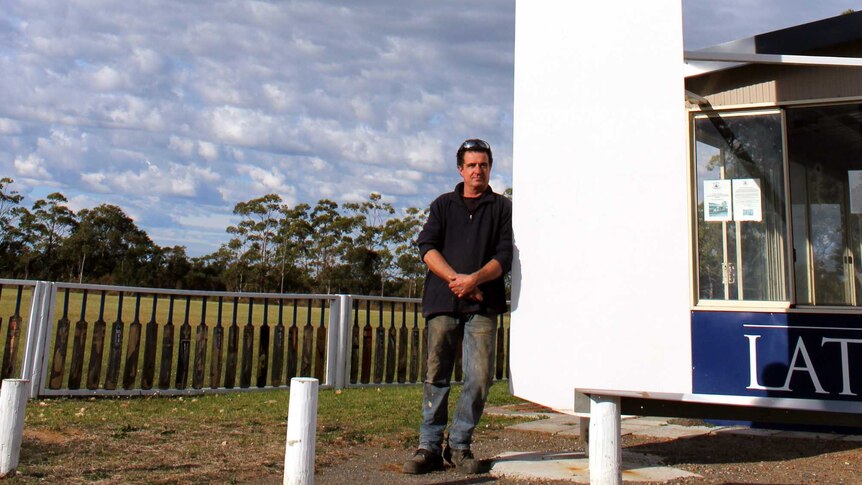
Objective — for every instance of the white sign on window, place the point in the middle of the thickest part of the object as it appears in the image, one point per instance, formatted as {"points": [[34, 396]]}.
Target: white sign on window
{"points": [[855, 179], [717, 203], [746, 200]]}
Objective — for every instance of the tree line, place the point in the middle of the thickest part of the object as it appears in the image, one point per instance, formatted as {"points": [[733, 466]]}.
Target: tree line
{"points": [[360, 248]]}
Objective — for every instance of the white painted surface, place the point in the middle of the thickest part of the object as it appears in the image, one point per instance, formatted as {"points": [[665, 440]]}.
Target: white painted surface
{"points": [[601, 279], [301, 432], [606, 451], [13, 402]]}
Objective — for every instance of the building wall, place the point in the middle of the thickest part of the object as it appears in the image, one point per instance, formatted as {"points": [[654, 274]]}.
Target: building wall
{"points": [[600, 287], [778, 84]]}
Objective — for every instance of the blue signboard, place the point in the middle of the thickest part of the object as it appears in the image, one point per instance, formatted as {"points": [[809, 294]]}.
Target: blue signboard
{"points": [[777, 355]]}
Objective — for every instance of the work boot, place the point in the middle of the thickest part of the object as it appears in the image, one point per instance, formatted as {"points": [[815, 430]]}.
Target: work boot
{"points": [[423, 461], [465, 462]]}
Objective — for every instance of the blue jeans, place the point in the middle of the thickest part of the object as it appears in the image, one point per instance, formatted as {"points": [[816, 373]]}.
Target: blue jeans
{"points": [[477, 353]]}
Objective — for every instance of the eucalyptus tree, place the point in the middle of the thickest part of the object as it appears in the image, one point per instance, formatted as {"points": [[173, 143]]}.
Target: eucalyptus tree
{"points": [[258, 225], [331, 241], [294, 248], [52, 223], [9, 199], [108, 247], [23, 238], [9, 246], [400, 234], [371, 256]]}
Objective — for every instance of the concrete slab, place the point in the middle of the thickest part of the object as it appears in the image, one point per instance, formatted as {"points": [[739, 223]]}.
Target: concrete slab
{"points": [[543, 426], [574, 467], [672, 431], [645, 421], [626, 429], [748, 431]]}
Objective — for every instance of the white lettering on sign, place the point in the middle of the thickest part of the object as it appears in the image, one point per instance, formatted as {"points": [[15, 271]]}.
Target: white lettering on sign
{"points": [[753, 382], [799, 351], [845, 361]]}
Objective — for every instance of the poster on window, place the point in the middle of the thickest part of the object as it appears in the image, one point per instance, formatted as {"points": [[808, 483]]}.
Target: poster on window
{"points": [[855, 179], [716, 201], [746, 200]]}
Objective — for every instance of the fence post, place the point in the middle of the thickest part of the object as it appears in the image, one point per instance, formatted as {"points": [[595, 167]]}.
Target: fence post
{"points": [[13, 402], [34, 346], [301, 432], [333, 360], [28, 362], [346, 304], [40, 352]]}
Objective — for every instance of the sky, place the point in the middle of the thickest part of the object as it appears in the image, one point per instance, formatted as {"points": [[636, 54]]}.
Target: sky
{"points": [[176, 111]]}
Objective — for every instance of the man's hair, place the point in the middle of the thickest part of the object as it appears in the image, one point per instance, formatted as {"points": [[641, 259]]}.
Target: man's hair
{"points": [[474, 145]]}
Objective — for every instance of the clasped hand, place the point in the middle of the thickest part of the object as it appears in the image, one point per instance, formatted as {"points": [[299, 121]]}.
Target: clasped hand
{"points": [[465, 286]]}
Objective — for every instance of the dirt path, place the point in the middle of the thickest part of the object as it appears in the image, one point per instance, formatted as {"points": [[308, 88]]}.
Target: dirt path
{"points": [[718, 459]]}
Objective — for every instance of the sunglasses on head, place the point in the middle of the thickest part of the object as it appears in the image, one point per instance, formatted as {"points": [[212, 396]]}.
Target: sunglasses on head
{"points": [[475, 144]]}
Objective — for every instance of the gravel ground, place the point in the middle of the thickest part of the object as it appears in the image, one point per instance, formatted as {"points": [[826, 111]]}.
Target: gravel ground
{"points": [[717, 458]]}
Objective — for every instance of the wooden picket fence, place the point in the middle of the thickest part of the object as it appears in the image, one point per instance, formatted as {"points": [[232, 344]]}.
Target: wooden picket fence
{"points": [[111, 340]]}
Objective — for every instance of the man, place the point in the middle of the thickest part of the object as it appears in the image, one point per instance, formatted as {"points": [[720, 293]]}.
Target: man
{"points": [[467, 245]]}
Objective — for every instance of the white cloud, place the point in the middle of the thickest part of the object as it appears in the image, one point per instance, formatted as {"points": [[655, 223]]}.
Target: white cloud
{"points": [[318, 164], [147, 60], [177, 180], [9, 127], [207, 150], [79, 202], [307, 46], [241, 126], [279, 97], [266, 181], [426, 153], [107, 78], [31, 166], [95, 181], [182, 145]]}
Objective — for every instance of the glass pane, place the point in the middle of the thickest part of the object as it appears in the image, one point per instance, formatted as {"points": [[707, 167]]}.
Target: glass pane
{"points": [[710, 236], [825, 149], [741, 255], [799, 216]]}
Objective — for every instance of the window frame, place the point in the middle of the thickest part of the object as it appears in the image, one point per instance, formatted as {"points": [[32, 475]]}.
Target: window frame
{"points": [[699, 303]]}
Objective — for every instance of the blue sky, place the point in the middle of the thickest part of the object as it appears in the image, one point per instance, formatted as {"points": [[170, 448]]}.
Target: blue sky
{"points": [[176, 111]]}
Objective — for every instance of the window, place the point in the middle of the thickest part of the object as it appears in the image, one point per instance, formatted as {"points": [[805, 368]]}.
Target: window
{"points": [[741, 223], [824, 146]]}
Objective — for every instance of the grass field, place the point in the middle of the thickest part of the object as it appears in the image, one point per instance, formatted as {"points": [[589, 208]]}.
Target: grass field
{"points": [[223, 438]]}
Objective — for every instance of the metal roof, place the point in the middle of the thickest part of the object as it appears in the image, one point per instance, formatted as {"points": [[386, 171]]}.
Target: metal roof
{"points": [[792, 45]]}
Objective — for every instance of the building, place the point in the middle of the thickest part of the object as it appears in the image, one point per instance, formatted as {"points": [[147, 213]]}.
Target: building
{"points": [[777, 279]]}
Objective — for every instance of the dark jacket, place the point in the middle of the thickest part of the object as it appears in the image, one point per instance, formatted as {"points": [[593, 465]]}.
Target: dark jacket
{"points": [[467, 242]]}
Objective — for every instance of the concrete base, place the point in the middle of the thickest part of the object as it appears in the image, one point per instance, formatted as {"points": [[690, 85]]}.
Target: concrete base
{"points": [[575, 467]]}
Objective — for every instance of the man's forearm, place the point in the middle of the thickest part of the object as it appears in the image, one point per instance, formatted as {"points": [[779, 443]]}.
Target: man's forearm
{"points": [[439, 266], [491, 271]]}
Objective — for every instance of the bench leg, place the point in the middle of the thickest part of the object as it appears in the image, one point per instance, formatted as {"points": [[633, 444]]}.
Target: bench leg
{"points": [[584, 435], [605, 447]]}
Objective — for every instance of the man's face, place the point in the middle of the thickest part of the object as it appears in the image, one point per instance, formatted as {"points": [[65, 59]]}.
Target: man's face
{"points": [[476, 172]]}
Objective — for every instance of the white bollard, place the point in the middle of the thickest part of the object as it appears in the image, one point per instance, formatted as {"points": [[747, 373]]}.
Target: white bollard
{"points": [[13, 402], [605, 448], [301, 432]]}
